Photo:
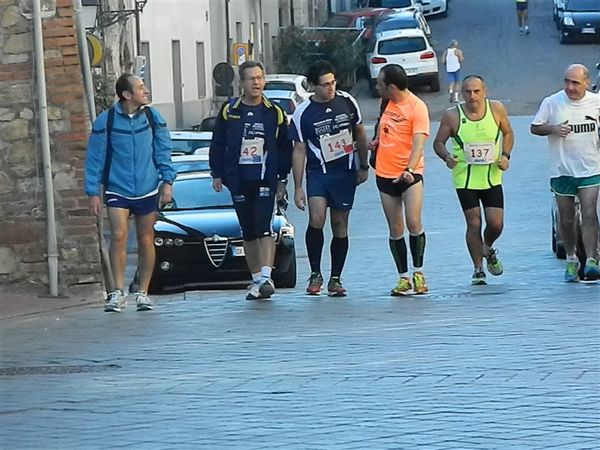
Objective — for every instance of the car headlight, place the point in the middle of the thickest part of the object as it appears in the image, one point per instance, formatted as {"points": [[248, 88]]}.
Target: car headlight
{"points": [[178, 242], [568, 21], [165, 265], [169, 242], [158, 241]]}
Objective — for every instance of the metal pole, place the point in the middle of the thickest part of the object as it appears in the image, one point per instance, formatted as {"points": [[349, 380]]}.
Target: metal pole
{"points": [[45, 142], [138, 33], [228, 50]]}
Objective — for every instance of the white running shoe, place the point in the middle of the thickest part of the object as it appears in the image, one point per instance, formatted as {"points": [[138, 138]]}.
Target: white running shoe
{"points": [[115, 301]]}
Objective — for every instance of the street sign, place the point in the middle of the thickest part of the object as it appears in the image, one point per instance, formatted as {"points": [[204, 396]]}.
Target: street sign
{"points": [[241, 53]]}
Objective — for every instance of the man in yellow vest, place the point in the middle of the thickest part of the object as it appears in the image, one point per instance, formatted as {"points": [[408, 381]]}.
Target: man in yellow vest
{"points": [[522, 16], [482, 140]]}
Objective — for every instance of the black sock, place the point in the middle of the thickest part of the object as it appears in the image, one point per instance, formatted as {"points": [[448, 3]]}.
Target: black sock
{"points": [[398, 249], [417, 249], [339, 250], [314, 247]]}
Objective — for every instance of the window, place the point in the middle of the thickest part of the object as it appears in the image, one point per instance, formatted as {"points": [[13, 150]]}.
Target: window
{"points": [[402, 45], [145, 50], [201, 69]]}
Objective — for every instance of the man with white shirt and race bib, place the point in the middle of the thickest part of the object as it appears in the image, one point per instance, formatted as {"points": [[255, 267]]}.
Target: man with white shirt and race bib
{"points": [[482, 140], [325, 129], [250, 154]]}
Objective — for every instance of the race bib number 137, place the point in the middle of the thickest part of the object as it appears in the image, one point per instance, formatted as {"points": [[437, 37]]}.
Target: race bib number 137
{"points": [[480, 153]]}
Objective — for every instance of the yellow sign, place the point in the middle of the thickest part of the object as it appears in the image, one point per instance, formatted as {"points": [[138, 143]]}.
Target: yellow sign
{"points": [[95, 50], [241, 53]]}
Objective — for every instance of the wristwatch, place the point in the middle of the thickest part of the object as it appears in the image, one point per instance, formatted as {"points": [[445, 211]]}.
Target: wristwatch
{"points": [[410, 170]]}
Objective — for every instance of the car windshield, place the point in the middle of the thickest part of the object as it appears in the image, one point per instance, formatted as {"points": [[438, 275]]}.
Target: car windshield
{"points": [[402, 45], [197, 193], [397, 24], [188, 146], [286, 104], [191, 166], [280, 86], [391, 3], [583, 5]]}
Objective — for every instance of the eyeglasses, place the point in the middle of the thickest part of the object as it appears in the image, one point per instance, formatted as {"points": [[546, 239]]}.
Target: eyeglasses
{"points": [[256, 78], [328, 84]]}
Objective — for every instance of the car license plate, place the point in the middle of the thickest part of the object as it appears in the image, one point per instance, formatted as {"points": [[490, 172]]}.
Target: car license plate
{"points": [[237, 251], [411, 71], [588, 30]]}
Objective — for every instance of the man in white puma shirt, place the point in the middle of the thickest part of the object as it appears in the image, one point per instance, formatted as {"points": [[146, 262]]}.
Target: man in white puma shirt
{"points": [[570, 118]]}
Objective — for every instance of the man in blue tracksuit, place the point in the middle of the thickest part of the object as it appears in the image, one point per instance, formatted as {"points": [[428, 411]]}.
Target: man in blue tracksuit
{"points": [[250, 154], [129, 157]]}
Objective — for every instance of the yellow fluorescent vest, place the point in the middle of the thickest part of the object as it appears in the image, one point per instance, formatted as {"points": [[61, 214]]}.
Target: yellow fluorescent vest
{"points": [[476, 176]]}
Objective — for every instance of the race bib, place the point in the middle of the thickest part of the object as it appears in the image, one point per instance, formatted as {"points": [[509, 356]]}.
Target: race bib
{"points": [[336, 146], [480, 153], [252, 151]]}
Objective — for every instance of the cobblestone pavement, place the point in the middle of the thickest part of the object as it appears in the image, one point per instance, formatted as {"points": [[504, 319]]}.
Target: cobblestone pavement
{"points": [[511, 365]]}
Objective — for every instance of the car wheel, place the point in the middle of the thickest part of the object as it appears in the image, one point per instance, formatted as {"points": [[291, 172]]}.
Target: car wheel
{"points": [[287, 279], [435, 84]]}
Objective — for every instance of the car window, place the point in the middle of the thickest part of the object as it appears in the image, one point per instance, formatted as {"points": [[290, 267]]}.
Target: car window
{"points": [[280, 86], [286, 104], [197, 193], [188, 146], [402, 45], [583, 5], [305, 85], [191, 166], [397, 24], [392, 3]]}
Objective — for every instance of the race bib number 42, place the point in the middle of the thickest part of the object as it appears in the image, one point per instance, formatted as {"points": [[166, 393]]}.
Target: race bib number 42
{"points": [[336, 146], [252, 151], [480, 153]]}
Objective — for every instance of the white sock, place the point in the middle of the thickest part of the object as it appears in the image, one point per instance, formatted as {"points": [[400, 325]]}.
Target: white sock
{"points": [[404, 275], [572, 258], [256, 277], [265, 272]]}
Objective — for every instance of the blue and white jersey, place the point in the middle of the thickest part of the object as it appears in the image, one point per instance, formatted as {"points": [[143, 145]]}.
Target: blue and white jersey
{"points": [[328, 130]]}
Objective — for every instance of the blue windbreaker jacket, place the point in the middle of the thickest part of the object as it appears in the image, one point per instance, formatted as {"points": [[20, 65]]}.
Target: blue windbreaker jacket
{"points": [[141, 158]]}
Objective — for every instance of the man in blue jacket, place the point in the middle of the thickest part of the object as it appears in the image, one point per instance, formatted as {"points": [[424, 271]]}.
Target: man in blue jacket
{"points": [[250, 154], [129, 157]]}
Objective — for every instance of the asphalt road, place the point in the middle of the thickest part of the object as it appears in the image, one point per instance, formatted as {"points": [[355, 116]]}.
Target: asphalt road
{"points": [[519, 70]]}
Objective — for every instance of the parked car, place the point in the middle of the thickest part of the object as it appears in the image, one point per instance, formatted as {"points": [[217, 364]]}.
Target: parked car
{"points": [[190, 142], [596, 85], [435, 8], [199, 243], [288, 100], [580, 20], [288, 82], [401, 21], [557, 244], [191, 163], [409, 48], [358, 19], [398, 5]]}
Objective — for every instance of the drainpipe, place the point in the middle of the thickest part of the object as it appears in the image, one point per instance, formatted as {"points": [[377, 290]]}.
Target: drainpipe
{"points": [[40, 76]]}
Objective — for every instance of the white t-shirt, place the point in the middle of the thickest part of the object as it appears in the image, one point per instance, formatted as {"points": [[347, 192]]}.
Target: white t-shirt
{"points": [[577, 155]]}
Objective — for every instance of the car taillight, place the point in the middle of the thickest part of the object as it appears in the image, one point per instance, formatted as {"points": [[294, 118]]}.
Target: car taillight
{"points": [[378, 60], [427, 55]]}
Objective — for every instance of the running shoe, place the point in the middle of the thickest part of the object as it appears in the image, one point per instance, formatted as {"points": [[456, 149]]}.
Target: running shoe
{"points": [[403, 287], [478, 278], [115, 301], [314, 284], [591, 271], [253, 291], [419, 283], [266, 287], [572, 271], [335, 288], [494, 266], [143, 302]]}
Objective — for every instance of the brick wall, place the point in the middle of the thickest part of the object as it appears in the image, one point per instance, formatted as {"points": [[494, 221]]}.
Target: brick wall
{"points": [[23, 242]]}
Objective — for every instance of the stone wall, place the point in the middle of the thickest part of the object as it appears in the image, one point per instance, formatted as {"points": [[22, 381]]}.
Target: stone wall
{"points": [[23, 241]]}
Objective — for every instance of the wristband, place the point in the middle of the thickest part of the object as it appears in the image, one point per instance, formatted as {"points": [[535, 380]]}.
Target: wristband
{"points": [[409, 170]]}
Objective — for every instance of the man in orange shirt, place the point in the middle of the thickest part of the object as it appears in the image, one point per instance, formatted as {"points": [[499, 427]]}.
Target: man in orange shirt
{"points": [[403, 128]]}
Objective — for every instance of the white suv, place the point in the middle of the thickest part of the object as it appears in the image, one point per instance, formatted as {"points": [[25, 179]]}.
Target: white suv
{"points": [[409, 48], [435, 7], [398, 5]]}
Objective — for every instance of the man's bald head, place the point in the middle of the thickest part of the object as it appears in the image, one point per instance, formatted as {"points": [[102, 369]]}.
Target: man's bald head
{"points": [[577, 81]]}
